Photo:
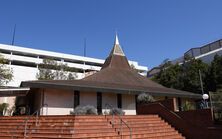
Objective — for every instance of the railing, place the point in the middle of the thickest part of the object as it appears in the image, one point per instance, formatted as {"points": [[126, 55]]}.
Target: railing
{"points": [[120, 118], [25, 122]]}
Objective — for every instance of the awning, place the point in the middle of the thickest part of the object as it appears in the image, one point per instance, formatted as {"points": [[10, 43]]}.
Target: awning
{"points": [[13, 91]]}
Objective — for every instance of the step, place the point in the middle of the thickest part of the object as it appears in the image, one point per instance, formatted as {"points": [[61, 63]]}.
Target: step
{"points": [[75, 117], [53, 117], [88, 137], [83, 135], [147, 128], [161, 137], [71, 126], [89, 130], [97, 136], [133, 118], [141, 125], [74, 123], [149, 135], [147, 132], [138, 122], [85, 131]]}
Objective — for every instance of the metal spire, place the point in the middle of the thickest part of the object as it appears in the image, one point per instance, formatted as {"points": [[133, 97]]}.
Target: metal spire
{"points": [[117, 50], [116, 40]]}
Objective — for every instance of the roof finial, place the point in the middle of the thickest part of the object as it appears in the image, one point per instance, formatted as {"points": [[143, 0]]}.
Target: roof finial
{"points": [[116, 39], [117, 50]]}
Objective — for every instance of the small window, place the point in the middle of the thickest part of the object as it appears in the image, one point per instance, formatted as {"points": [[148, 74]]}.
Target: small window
{"points": [[99, 102], [76, 98], [119, 100]]}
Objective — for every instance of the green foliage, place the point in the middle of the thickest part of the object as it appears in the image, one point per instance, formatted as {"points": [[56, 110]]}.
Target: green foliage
{"points": [[216, 104], [85, 110], [188, 106], [191, 77], [71, 76], [6, 73], [116, 111], [214, 80], [184, 76], [51, 70], [3, 107], [45, 70], [170, 76], [145, 98]]}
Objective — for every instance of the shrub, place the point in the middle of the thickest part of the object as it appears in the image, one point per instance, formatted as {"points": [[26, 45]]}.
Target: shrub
{"points": [[3, 108], [145, 98], [116, 111], [85, 110], [188, 106], [91, 110]]}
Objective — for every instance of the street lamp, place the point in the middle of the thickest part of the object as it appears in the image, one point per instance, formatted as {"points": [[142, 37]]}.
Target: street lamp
{"points": [[205, 97]]}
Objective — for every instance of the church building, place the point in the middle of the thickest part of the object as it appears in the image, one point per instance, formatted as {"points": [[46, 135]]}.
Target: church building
{"points": [[116, 84]]}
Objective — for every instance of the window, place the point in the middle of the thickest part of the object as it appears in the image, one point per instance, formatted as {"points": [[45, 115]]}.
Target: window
{"points": [[99, 102], [76, 98], [119, 100]]}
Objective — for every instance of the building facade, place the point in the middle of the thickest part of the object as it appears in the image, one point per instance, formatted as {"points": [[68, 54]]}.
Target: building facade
{"points": [[205, 53]]}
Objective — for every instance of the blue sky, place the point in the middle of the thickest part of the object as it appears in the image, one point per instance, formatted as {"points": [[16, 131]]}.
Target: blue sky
{"points": [[149, 30]]}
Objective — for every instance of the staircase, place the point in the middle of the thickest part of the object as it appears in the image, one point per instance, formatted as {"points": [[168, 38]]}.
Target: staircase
{"points": [[94, 127], [146, 127]]}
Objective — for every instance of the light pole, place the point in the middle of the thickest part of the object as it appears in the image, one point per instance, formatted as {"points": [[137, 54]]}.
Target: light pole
{"points": [[204, 96], [201, 82]]}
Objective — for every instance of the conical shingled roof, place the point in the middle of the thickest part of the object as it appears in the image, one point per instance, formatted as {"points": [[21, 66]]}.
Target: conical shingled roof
{"points": [[116, 58], [116, 70]]}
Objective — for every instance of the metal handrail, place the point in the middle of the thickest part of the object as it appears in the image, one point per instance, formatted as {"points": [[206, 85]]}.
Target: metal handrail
{"points": [[28, 118], [121, 120]]}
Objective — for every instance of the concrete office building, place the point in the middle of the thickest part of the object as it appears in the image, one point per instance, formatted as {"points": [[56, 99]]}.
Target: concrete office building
{"points": [[206, 53]]}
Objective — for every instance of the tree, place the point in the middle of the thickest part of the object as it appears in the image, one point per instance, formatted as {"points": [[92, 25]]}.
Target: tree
{"points": [[5, 72], [184, 76], [214, 80], [169, 76], [72, 76], [52, 70], [191, 77], [45, 70], [59, 72]]}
